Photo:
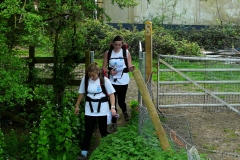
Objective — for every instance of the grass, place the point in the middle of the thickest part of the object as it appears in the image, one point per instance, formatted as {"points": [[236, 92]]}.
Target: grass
{"points": [[39, 52], [196, 76], [173, 76]]}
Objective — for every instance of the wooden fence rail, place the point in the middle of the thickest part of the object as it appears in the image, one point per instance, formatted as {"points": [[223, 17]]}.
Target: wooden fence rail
{"points": [[48, 60]]}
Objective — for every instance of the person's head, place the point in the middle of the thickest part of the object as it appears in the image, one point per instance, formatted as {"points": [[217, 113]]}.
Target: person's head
{"points": [[117, 42], [93, 71]]}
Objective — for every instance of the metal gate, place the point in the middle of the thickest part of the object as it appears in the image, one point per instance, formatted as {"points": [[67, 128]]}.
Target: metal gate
{"points": [[210, 83]]}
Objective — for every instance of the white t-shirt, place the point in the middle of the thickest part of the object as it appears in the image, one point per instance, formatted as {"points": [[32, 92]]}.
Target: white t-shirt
{"points": [[95, 87], [119, 63]]}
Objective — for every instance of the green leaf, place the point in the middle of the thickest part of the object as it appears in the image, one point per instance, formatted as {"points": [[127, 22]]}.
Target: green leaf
{"points": [[61, 138]]}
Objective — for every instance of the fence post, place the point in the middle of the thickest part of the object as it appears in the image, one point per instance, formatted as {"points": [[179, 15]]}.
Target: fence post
{"points": [[87, 59], [31, 65], [142, 66], [152, 111], [148, 46], [91, 56]]}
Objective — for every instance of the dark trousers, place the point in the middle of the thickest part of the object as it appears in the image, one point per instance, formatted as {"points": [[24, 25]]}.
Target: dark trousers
{"points": [[120, 96], [90, 122]]}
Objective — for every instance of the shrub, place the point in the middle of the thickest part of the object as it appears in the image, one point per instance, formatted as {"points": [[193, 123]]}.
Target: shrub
{"points": [[126, 143], [57, 132], [13, 88], [187, 48]]}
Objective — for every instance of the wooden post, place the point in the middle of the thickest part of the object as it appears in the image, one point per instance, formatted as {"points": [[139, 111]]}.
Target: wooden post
{"points": [[152, 111], [87, 59], [31, 64], [148, 48]]}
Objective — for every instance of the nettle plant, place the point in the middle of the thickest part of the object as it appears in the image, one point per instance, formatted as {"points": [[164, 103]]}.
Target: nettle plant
{"points": [[57, 132]]}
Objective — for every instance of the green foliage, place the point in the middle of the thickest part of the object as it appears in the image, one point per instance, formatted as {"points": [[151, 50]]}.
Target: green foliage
{"points": [[15, 145], [134, 107], [186, 48], [99, 36], [210, 38], [163, 44], [54, 21], [57, 132], [126, 143], [127, 3], [12, 143], [13, 87], [132, 38], [2, 145]]}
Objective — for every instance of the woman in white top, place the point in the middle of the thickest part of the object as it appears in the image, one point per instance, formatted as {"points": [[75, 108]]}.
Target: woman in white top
{"points": [[97, 90], [117, 62]]}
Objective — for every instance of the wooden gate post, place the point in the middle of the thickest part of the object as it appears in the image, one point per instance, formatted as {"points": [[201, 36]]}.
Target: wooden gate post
{"points": [[87, 59], [152, 110], [148, 48]]}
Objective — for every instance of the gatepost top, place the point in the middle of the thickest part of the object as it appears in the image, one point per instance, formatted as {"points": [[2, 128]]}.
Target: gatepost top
{"points": [[148, 28]]}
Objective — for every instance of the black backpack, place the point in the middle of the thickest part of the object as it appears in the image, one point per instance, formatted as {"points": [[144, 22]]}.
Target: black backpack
{"points": [[124, 48], [104, 99], [101, 84]]}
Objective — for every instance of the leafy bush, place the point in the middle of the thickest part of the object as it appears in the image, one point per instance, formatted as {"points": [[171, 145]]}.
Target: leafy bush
{"points": [[132, 38], [13, 88], [186, 48], [126, 143], [99, 36], [58, 132], [209, 37], [164, 45]]}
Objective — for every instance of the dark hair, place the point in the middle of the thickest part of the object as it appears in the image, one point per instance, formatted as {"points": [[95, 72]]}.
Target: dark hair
{"points": [[118, 38], [93, 67]]}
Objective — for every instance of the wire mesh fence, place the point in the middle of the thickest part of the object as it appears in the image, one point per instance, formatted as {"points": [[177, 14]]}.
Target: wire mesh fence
{"points": [[205, 87]]}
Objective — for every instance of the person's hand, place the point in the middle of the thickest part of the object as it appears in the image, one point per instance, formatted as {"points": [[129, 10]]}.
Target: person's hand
{"points": [[132, 68], [113, 72], [113, 111], [76, 111]]}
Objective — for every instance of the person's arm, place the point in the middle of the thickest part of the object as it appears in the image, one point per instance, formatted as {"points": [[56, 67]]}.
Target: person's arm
{"points": [[112, 102], [129, 59], [80, 97], [105, 58], [104, 66]]}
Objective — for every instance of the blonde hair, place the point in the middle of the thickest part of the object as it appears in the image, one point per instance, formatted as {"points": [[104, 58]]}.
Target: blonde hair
{"points": [[93, 67]]}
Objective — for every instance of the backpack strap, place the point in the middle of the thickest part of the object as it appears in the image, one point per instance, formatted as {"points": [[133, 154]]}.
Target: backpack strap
{"points": [[88, 99], [86, 83], [103, 88], [103, 99], [126, 70], [108, 58], [125, 59], [101, 84]]}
